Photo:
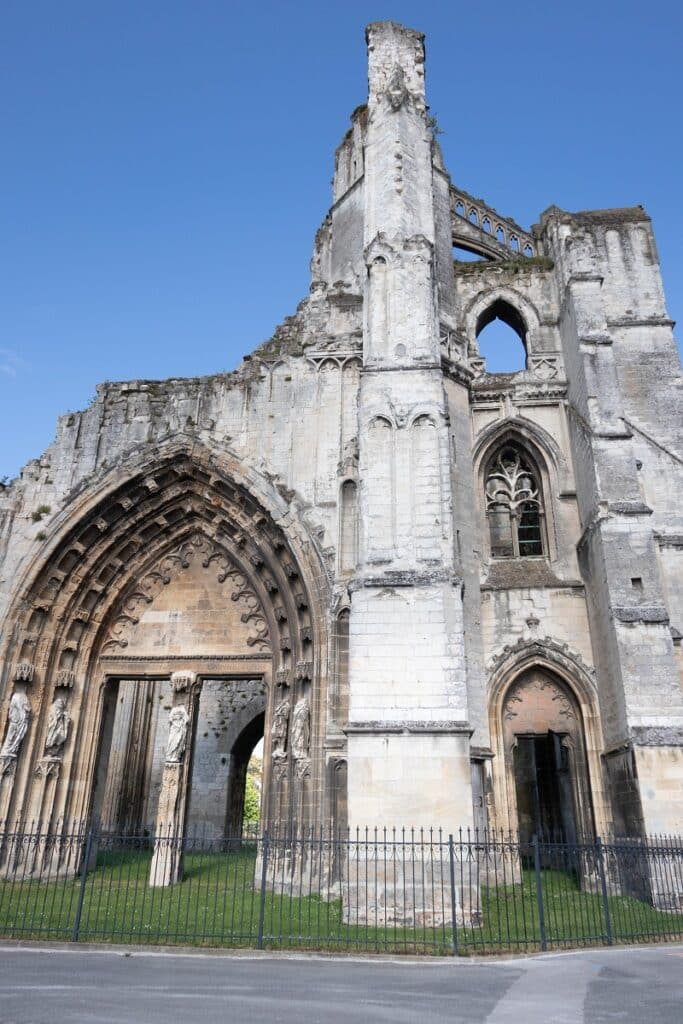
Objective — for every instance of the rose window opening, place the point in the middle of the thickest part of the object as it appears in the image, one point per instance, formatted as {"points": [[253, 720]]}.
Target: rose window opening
{"points": [[514, 506]]}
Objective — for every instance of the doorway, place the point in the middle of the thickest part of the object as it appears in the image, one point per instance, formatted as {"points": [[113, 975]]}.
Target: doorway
{"points": [[543, 787], [547, 783]]}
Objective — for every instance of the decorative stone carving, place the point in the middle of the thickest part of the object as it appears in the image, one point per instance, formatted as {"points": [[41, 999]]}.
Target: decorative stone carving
{"points": [[18, 719], [304, 671], [178, 721], [66, 678], [183, 680], [279, 765], [282, 677], [279, 728], [544, 367], [397, 93], [8, 765], [48, 767], [23, 672], [145, 591], [301, 729], [510, 483], [540, 684], [453, 346], [58, 722]]}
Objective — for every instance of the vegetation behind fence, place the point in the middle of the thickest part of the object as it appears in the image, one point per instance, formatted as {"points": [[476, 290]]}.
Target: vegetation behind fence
{"points": [[419, 891]]}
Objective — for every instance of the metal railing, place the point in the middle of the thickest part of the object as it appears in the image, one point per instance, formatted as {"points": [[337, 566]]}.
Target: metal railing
{"points": [[380, 890]]}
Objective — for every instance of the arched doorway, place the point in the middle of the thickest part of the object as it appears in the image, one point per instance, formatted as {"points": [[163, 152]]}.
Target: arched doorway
{"points": [[545, 758], [174, 583]]}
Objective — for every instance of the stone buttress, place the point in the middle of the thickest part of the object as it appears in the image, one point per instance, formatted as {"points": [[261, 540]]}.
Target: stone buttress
{"points": [[408, 731]]}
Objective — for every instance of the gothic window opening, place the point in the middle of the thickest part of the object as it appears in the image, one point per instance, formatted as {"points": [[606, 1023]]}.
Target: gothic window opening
{"points": [[501, 337], [514, 505]]}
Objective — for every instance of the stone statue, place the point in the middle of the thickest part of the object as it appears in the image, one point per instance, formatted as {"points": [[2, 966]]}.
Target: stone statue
{"points": [[278, 730], [19, 714], [301, 729], [177, 733], [57, 727]]}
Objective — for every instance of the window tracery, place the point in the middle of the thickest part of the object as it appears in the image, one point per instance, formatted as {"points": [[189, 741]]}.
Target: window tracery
{"points": [[514, 505]]}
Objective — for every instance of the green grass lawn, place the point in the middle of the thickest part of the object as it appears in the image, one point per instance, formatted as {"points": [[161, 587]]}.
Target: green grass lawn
{"points": [[218, 904]]}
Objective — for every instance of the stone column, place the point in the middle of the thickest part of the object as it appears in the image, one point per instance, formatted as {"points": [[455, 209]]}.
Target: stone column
{"points": [[166, 868], [8, 771]]}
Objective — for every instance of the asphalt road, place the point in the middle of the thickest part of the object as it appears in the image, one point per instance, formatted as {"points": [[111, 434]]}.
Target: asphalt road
{"points": [[75, 986]]}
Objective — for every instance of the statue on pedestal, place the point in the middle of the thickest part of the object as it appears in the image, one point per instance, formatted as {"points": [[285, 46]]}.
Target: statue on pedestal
{"points": [[57, 727], [18, 719], [177, 734]]}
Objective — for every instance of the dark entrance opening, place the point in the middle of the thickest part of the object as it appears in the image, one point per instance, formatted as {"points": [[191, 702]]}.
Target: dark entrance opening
{"points": [[237, 776], [543, 784]]}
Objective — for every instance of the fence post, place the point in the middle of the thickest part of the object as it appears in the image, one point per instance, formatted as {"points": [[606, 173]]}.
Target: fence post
{"points": [[262, 901], [454, 917], [81, 892], [539, 892], [603, 888]]}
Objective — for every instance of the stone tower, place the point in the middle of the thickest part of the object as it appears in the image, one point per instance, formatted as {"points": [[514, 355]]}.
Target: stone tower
{"points": [[443, 596]]}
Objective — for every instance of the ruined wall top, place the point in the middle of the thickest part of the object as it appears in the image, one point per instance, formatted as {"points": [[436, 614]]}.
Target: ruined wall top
{"points": [[396, 64]]}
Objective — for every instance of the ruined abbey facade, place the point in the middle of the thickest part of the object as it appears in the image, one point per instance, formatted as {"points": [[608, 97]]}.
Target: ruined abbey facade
{"points": [[443, 596]]}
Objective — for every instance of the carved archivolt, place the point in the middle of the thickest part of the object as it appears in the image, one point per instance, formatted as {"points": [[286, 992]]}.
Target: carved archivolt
{"points": [[144, 591], [124, 542], [514, 657]]}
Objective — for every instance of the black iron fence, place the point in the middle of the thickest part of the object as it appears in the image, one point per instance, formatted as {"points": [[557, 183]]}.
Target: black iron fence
{"points": [[380, 890]]}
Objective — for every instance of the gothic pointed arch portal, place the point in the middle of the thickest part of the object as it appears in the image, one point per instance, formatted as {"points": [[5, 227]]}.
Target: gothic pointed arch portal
{"points": [[175, 615], [545, 758]]}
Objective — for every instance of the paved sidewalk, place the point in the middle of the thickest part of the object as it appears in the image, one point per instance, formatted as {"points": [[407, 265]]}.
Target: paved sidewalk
{"points": [[76, 985]]}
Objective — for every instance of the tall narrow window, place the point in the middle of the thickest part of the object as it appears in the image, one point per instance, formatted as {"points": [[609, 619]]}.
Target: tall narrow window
{"points": [[514, 505]]}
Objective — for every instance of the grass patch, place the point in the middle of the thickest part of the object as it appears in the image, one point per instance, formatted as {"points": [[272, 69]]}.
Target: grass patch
{"points": [[218, 903]]}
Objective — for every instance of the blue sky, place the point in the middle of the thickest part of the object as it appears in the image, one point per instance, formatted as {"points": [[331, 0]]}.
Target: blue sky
{"points": [[165, 165]]}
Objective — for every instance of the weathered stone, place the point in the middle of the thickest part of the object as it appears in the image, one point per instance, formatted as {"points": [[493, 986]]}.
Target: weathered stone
{"points": [[363, 541]]}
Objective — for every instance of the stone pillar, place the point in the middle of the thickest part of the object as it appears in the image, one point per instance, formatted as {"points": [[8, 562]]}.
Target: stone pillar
{"points": [[8, 771], [166, 868], [408, 729]]}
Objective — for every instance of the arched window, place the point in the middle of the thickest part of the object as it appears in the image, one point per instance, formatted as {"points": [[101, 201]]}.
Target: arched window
{"points": [[501, 337], [514, 505]]}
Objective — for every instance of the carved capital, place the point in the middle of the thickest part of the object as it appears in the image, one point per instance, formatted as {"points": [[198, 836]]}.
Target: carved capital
{"points": [[8, 765]]}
